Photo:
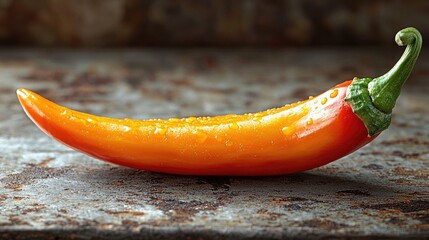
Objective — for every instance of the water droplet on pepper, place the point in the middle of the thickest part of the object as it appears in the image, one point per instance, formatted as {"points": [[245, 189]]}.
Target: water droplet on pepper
{"points": [[334, 93], [174, 120], [257, 117], [305, 109], [90, 120], [160, 130], [191, 119], [288, 130]]}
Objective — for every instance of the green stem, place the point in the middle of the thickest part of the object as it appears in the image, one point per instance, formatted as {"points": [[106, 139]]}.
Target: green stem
{"points": [[372, 100], [385, 90]]}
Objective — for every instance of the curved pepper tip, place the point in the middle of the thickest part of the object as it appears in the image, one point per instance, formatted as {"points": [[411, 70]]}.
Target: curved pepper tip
{"points": [[408, 36], [373, 99], [385, 90]]}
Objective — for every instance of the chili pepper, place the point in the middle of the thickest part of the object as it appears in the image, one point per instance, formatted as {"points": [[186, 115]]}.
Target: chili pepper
{"points": [[292, 138]]}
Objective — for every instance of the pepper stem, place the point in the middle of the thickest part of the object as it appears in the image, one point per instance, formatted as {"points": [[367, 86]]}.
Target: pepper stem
{"points": [[385, 90], [372, 100]]}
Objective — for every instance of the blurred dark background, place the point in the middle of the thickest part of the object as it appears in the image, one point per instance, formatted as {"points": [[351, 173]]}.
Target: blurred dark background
{"points": [[217, 23]]}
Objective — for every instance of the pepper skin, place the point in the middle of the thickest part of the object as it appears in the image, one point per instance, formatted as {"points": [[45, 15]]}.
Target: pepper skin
{"points": [[289, 139], [284, 140]]}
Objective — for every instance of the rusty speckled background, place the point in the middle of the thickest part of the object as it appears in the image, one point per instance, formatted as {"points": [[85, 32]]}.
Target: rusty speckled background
{"points": [[207, 23]]}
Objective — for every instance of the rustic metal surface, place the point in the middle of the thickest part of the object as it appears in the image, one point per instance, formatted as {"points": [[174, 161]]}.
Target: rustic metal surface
{"points": [[48, 190]]}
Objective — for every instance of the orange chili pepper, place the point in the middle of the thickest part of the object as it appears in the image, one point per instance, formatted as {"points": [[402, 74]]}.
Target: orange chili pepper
{"points": [[289, 139]]}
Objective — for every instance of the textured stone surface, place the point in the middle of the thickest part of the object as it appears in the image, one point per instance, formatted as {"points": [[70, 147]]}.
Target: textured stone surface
{"points": [[209, 23], [48, 190]]}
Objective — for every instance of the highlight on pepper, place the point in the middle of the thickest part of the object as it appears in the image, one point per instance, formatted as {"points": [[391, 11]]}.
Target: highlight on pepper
{"points": [[292, 138]]}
